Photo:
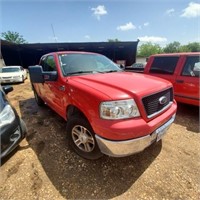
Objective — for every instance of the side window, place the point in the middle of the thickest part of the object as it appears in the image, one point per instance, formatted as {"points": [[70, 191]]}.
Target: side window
{"points": [[164, 65], [48, 63], [192, 66], [43, 63]]}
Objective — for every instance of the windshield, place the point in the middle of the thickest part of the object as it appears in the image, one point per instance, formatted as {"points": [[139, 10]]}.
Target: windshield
{"points": [[73, 64], [9, 69]]}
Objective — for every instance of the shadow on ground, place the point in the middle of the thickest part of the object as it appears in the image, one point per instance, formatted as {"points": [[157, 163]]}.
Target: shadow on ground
{"points": [[74, 177], [188, 117]]}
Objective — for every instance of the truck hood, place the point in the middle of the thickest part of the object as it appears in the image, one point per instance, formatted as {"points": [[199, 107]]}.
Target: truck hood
{"points": [[122, 85]]}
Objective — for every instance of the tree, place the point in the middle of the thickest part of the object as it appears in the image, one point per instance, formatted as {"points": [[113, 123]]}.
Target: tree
{"points": [[14, 37], [113, 40], [184, 48], [194, 47], [173, 47], [145, 50]]}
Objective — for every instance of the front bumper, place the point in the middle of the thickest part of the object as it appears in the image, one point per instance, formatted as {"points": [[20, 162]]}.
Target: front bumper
{"points": [[11, 80], [128, 147]]}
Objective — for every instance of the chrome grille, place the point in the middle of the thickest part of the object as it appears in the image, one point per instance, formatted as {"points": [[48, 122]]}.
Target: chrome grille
{"points": [[153, 104], [9, 77]]}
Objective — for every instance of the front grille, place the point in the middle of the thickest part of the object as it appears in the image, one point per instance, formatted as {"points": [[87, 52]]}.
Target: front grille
{"points": [[7, 77], [153, 104]]}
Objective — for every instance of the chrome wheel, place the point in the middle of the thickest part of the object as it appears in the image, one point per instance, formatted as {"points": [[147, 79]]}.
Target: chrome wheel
{"points": [[83, 139]]}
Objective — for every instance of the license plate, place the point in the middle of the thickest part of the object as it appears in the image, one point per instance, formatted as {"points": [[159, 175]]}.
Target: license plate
{"points": [[7, 81], [163, 129]]}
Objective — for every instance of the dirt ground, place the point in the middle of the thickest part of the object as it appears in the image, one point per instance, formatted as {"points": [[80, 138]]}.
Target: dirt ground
{"points": [[44, 167]]}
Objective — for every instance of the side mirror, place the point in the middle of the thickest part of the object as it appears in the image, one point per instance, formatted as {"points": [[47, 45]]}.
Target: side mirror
{"points": [[37, 75], [122, 66], [7, 89], [196, 71], [50, 76]]}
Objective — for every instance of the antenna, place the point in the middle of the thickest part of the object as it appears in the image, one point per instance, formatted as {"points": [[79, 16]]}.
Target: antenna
{"points": [[55, 37], [54, 33]]}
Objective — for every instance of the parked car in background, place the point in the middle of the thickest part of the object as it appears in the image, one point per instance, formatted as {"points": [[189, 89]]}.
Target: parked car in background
{"points": [[136, 67], [12, 74], [182, 70], [12, 127]]}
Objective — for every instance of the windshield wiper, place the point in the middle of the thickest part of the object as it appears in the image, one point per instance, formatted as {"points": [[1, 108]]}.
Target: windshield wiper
{"points": [[112, 71], [83, 72]]}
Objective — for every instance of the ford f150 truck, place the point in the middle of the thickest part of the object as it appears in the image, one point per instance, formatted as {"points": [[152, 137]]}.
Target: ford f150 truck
{"points": [[108, 111], [182, 70]]}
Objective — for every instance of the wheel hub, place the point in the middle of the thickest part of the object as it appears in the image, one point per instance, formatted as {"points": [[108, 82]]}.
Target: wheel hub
{"points": [[83, 139]]}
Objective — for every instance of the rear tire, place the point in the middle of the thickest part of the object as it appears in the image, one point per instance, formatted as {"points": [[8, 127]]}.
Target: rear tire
{"points": [[38, 100], [81, 138]]}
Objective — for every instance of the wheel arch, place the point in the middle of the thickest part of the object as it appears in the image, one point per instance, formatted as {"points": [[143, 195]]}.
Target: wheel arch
{"points": [[74, 111]]}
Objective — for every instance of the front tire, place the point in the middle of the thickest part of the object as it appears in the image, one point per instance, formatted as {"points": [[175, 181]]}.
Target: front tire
{"points": [[82, 138], [22, 79]]}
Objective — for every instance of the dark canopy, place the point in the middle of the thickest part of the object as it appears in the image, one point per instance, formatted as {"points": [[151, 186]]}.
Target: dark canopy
{"points": [[29, 54]]}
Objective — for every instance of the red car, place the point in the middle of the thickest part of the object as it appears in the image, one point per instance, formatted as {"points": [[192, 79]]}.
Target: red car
{"points": [[182, 70], [108, 111]]}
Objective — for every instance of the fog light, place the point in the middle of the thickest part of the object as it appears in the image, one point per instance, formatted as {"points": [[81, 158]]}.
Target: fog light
{"points": [[15, 136]]}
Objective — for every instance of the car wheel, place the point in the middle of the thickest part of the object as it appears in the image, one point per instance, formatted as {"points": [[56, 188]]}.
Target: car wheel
{"points": [[82, 138], [22, 79], [38, 100]]}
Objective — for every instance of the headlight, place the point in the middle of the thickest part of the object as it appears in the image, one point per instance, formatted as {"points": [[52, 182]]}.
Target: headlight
{"points": [[7, 116], [119, 109], [19, 76]]}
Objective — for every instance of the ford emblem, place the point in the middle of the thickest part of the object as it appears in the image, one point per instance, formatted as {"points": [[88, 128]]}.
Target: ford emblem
{"points": [[162, 100]]}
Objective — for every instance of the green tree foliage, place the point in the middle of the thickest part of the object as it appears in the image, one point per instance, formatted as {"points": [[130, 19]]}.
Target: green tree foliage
{"points": [[172, 47], [145, 50], [14, 37], [113, 40], [184, 48], [194, 47]]}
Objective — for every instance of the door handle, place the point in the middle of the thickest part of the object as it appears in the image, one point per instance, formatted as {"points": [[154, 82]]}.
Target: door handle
{"points": [[180, 81]]}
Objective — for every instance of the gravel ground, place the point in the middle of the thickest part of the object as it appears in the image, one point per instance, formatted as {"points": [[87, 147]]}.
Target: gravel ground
{"points": [[44, 167]]}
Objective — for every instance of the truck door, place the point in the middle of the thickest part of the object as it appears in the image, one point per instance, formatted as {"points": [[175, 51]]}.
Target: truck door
{"points": [[187, 86], [54, 90]]}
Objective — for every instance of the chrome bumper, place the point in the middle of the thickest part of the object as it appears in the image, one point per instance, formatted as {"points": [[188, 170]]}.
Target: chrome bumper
{"points": [[128, 147], [11, 80]]}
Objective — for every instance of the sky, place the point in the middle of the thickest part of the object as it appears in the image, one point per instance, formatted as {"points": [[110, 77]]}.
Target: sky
{"points": [[48, 21]]}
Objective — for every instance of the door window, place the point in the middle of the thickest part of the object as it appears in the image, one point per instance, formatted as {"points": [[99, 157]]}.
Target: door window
{"points": [[192, 66], [164, 65], [48, 63]]}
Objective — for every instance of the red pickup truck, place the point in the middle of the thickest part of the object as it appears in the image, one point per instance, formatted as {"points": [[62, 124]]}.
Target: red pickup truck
{"points": [[108, 111], [182, 70]]}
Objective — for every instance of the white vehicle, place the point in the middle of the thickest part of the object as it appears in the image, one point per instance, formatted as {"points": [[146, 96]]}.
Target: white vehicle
{"points": [[12, 74]]}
